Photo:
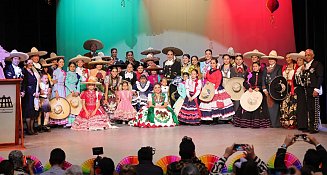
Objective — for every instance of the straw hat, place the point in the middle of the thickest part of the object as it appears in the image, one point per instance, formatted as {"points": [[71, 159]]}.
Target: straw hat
{"points": [[230, 52], [177, 51], [295, 56], [98, 60], [3, 53], [273, 55], [60, 108], [53, 56], [34, 51], [46, 65], [92, 80], [255, 52], [250, 101], [14, 53], [234, 88], [278, 88], [208, 92], [149, 57], [80, 57], [75, 104], [87, 44], [105, 57], [150, 50], [153, 67], [225, 80]]}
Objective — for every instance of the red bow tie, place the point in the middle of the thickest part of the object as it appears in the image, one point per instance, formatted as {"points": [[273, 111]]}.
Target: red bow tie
{"points": [[239, 70]]}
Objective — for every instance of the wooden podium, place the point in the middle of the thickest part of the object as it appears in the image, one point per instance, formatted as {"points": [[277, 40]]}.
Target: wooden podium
{"points": [[11, 122]]}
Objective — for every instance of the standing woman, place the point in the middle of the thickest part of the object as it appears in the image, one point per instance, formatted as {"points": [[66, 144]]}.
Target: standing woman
{"points": [[206, 61], [269, 73], [288, 106], [112, 82], [301, 117], [28, 93], [226, 67], [186, 64], [221, 106], [195, 65]]}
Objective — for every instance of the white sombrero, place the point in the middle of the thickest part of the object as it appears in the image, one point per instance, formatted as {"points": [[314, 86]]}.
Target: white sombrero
{"points": [[295, 56], [234, 87], [105, 57], [250, 101], [98, 60], [60, 108], [87, 44], [255, 52], [150, 50], [207, 92], [92, 80], [75, 104], [15, 53], [53, 56], [149, 57], [34, 51], [80, 57], [230, 52], [273, 55]]}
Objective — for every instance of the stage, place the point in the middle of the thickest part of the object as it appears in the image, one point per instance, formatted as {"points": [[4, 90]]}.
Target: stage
{"points": [[126, 141]]}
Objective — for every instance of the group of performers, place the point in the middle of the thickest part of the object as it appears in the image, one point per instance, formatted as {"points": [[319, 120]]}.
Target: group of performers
{"points": [[97, 90]]}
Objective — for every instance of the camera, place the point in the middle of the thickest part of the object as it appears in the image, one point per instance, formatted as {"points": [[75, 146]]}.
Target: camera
{"points": [[239, 147], [97, 151], [300, 137]]}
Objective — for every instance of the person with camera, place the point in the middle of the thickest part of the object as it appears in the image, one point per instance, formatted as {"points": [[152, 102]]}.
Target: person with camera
{"points": [[146, 166], [313, 158], [103, 166], [21, 164], [249, 164]]}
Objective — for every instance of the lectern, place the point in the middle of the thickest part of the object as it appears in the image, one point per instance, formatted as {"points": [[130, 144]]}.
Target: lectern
{"points": [[11, 123]]}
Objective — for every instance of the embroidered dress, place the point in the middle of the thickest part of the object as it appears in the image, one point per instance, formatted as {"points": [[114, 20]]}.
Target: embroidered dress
{"points": [[99, 121], [113, 84], [153, 116], [154, 79], [125, 110], [221, 106], [190, 113], [165, 89], [44, 97], [143, 90]]}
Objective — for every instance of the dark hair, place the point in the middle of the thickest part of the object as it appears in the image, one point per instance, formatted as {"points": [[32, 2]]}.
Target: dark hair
{"points": [[248, 167], [214, 59], [143, 76], [112, 49], [187, 55], [186, 73], [208, 50], [57, 156], [312, 158], [114, 68], [239, 55], [197, 72], [61, 58], [127, 170], [129, 52], [156, 84], [256, 63], [190, 169], [226, 55], [6, 167], [70, 63], [186, 148], [197, 58], [145, 153], [107, 166]]}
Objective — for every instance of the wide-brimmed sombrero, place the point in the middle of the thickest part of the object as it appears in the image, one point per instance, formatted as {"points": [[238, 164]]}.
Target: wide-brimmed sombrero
{"points": [[35, 51], [255, 52], [75, 104], [230, 52], [46, 65], [87, 44], [104, 57], [60, 108], [3, 53], [149, 57], [53, 56], [98, 60], [150, 50], [92, 80], [250, 101], [177, 51], [295, 56], [273, 55], [208, 92], [153, 67], [234, 87], [14, 53], [278, 88], [203, 58], [80, 57]]}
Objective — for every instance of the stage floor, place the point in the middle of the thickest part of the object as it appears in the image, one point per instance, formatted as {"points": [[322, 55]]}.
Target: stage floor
{"points": [[127, 140]]}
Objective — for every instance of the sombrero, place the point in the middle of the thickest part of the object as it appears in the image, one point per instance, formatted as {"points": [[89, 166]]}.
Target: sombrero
{"points": [[150, 50], [60, 108], [208, 92], [273, 55], [80, 57], [230, 52], [250, 101], [177, 51], [255, 52], [15, 53], [149, 57], [87, 44], [234, 87], [278, 88], [3, 53], [92, 80], [123, 66], [34, 51], [153, 67], [225, 80], [53, 56], [203, 58], [295, 56], [101, 54], [75, 104], [46, 65], [98, 60]]}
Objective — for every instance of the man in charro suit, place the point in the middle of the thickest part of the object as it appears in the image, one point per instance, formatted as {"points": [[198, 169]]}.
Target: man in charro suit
{"points": [[314, 76], [92, 45]]}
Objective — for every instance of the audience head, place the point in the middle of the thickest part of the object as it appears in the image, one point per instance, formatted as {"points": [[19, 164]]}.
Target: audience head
{"points": [[190, 169], [245, 166], [57, 157], [312, 160], [16, 157], [6, 167], [146, 153], [74, 170], [187, 148], [127, 170], [107, 166]]}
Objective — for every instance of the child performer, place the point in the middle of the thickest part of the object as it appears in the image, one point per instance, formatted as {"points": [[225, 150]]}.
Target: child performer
{"points": [[190, 112], [182, 93], [92, 115], [143, 88], [45, 93], [164, 86], [125, 111]]}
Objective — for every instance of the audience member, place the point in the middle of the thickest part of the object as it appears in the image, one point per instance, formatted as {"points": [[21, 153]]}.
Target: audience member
{"points": [[190, 169], [17, 158], [127, 170], [57, 159], [187, 153], [74, 170], [146, 166], [6, 167]]}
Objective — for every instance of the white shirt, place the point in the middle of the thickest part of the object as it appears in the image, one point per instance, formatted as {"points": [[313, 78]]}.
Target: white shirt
{"points": [[190, 86], [18, 71], [37, 65], [307, 67], [129, 75], [45, 88], [80, 72]]}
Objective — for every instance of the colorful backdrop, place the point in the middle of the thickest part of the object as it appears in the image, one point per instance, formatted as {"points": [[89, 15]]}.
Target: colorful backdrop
{"points": [[192, 25]]}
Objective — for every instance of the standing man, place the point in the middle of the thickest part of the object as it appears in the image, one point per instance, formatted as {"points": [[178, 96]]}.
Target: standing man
{"points": [[13, 71], [314, 76], [92, 45]]}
